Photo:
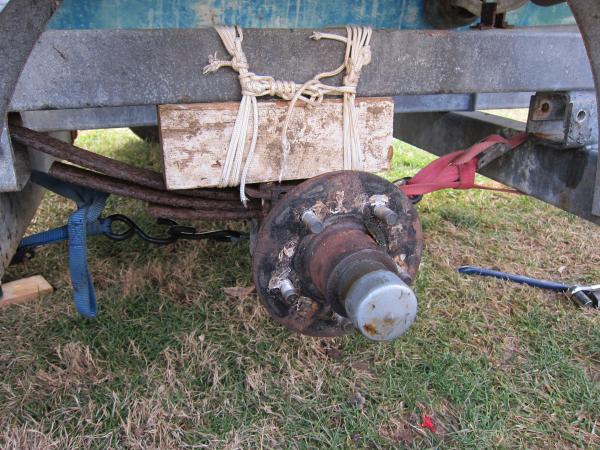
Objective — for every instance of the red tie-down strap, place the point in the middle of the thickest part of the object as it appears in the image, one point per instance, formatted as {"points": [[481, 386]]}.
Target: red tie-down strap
{"points": [[457, 170]]}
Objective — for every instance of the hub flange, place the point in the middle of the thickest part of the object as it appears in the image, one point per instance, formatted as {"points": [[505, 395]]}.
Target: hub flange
{"points": [[338, 252]]}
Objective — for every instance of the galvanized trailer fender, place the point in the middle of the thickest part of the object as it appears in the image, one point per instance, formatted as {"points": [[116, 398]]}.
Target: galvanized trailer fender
{"points": [[21, 23]]}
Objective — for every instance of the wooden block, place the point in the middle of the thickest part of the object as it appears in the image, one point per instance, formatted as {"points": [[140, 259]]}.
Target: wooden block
{"points": [[195, 138], [21, 291]]}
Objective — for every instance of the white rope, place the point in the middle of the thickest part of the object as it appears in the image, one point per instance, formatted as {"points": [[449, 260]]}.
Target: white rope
{"points": [[358, 54]]}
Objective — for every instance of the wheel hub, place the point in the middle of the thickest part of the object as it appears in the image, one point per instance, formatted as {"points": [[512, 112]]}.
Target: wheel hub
{"points": [[339, 252]]}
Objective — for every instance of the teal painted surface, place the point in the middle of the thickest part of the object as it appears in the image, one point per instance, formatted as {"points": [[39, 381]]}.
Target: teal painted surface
{"points": [[532, 15], [399, 14]]}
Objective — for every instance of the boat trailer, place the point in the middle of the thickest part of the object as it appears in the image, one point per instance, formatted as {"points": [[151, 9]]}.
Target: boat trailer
{"points": [[338, 251]]}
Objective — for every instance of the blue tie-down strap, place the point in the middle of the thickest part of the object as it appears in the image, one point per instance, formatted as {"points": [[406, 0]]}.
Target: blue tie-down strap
{"points": [[584, 296], [83, 222], [542, 284], [86, 221]]}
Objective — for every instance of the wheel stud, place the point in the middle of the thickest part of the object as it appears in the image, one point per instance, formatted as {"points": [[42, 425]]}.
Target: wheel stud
{"points": [[312, 222], [288, 292], [384, 213]]}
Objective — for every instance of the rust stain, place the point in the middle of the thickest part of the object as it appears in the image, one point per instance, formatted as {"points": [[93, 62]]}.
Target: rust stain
{"points": [[375, 110], [215, 126], [371, 329]]}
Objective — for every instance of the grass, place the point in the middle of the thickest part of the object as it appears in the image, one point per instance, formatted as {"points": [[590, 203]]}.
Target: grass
{"points": [[173, 362]]}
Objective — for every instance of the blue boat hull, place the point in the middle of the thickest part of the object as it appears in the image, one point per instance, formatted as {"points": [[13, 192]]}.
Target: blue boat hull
{"points": [[394, 14]]}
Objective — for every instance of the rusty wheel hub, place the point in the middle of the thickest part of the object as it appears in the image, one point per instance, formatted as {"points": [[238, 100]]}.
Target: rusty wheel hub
{"points": [[339, 252]]}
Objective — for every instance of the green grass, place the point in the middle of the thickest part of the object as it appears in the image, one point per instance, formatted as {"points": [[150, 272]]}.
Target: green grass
{"points": [[172, 361]]}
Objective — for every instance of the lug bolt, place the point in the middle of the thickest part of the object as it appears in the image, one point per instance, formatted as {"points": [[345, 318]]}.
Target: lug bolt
{"points": [[287, 289], [312, 222], [384, 213]]}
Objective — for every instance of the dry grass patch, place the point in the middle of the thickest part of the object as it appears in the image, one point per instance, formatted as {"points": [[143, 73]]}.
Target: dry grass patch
{"points": [[183, 354]]}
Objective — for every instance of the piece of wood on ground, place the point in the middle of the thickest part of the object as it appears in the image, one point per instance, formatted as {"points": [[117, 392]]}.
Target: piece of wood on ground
{"points": [[195, 138], [21, 291]]}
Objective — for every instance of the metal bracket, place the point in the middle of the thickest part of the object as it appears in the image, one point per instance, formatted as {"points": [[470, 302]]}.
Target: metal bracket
{"points": [[559, 177], [564, 119], [491, 16]]}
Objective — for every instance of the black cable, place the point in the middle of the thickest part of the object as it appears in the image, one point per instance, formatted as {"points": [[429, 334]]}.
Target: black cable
{"points": [[174, 232]]}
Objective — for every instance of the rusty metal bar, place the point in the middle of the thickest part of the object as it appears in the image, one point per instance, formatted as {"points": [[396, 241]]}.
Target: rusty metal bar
{"points": [[85, 158], [221, 194], [194, 214], [111, 185], [108, 166]]}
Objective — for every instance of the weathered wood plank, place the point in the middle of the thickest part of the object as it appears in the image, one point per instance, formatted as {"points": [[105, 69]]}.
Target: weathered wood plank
{"points": [[195, 138], [24, 290]]}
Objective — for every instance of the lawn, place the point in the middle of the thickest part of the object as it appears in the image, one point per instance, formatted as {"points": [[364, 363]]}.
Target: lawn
{"points": [[172, 361]]}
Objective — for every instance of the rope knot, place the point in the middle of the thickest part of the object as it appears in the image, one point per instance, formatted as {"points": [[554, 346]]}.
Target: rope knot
{"points": [[358, 54], [351, 81], [282, 88], [251, 84], [239, 63]]}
